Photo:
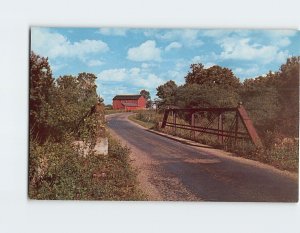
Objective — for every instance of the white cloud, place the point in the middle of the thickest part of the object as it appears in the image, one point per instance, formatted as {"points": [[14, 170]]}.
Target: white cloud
{"points": [[283, 42], [134, 71], [241, 49], [109, 92], [281, 33], [175, 75], [148, 82], [247, 72], [187, 37], [182, 64], [113, 31], [57, 66], [137, 77], [94, 63], [208, 64], [221, 33], [216, 33], [207, 60], [145, 65], [113, 75], [280, 38], [147, 51], [173, 45], [53, 45]]}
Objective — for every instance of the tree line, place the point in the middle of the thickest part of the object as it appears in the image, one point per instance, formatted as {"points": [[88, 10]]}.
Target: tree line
{"points": [[56, 106], [271, 100], [57, 117]]}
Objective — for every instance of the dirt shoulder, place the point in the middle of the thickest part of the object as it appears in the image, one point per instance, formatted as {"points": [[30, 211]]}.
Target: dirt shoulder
{"points": [[144, 166]]}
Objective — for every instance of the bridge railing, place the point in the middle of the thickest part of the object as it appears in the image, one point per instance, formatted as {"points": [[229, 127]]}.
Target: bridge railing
{"points": [[214, 123]]}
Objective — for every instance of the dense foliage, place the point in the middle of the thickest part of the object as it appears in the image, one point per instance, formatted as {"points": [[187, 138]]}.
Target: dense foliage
{"points": [[272, 102], [41, 87], [147, 96], [167, 93], [215, 75], [58, 172], [57, 107], [62, 112]]}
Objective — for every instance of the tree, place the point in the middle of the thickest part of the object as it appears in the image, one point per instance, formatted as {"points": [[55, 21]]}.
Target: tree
{"points": [[288, 88], [273, 100], [73, 98], [147, 97], [167, 92], [262, 104], [41, 84], [195, 95], [212, 76], [56, 107]]}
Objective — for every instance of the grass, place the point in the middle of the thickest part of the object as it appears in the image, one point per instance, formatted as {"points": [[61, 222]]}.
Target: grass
{"points": [[148, 125], [58, 172], [284, 156]]}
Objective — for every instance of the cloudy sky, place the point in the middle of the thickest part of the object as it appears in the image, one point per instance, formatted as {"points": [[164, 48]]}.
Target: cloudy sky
{"points": [[128, 60]]}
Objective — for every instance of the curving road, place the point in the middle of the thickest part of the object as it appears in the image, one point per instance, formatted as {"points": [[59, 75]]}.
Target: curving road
{"points": [[171, 170]]}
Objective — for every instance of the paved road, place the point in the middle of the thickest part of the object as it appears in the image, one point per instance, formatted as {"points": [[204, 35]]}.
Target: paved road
{"points": [[203, 174]]}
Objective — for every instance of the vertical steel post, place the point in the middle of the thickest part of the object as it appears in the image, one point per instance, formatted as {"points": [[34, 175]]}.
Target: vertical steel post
{"points": [[220, 128], [165, 119], [174, 121], [236, 126], [193, 127]]}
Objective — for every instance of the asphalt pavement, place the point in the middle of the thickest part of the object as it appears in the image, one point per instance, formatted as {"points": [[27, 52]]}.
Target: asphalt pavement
{"points": [[208, 174]]}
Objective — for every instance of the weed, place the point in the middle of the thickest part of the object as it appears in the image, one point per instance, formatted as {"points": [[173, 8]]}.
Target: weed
{"points": [[58, 171]]}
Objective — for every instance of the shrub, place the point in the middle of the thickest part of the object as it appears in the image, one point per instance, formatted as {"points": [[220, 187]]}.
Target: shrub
{"points": [[57, 171]]}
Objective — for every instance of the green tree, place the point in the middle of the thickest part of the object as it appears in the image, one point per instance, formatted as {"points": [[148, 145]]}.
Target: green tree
{"points": [[41, 85], [195, 95], [167, 92], [72, 99], [273, 100], [262, 104], [147, 97], [288, 88], [215, 75]]}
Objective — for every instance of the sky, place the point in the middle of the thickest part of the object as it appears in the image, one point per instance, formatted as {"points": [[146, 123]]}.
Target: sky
{"points": [[127, 60]]}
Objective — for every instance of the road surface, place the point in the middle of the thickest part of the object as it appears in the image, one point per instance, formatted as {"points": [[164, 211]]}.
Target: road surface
{"points": [[171, 170]]}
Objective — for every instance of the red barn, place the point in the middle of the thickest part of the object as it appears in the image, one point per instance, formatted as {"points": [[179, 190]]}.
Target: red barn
{"points": [[129, 102]]}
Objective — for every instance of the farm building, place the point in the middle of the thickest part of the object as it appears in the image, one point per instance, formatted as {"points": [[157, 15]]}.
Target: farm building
{"points": [[129, 102]]}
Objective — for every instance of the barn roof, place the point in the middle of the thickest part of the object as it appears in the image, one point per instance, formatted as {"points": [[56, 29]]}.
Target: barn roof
{"points": [[127, 97]]}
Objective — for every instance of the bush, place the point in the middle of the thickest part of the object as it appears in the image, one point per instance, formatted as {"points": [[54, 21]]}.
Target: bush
{"points": [[62, 111], [57, 171]]}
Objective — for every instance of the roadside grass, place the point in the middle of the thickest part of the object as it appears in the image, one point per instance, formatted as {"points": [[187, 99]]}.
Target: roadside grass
{"points": [[148, 125], [284, 156], [58, 172]]}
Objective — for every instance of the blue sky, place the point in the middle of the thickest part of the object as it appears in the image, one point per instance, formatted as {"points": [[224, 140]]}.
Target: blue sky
{"points": [[127, 60]]}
